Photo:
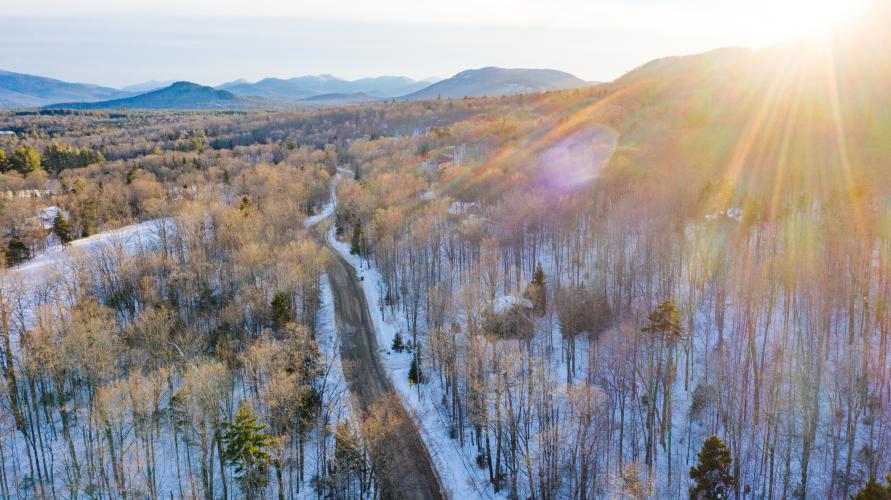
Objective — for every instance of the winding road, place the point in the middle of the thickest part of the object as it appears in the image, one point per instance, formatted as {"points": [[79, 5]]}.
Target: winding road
{"points": [[397, 449], [402, 462]]}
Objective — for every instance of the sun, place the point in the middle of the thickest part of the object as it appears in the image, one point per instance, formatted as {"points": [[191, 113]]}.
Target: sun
{"points": [[781, 19], [822, 13]]}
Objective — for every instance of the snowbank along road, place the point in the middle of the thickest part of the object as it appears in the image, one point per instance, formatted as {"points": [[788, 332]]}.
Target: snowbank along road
{"points": [[404, 464]]}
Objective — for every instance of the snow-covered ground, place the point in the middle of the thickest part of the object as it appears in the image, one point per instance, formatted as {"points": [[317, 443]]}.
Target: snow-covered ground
{"points": [[328, 209], [34, 277], [507, 302], [131, 238], [454, 465], [170, 462]]}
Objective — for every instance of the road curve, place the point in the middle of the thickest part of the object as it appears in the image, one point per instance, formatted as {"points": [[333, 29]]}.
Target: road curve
{"points": [[403, 463]]}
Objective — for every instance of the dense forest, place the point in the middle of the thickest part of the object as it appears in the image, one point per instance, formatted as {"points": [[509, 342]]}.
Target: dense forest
{"points": [[131, 368], [673, 284]]}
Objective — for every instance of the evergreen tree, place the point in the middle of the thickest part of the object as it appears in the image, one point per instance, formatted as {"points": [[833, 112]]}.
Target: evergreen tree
{"points": [[245, 205], [873, 490], [536, 292], [398, 345], [61, 228], [89, 215], [664, 321], [356, 243], [538, 277], [54, 157], [246, 443], [16, 252], [281, 310], [58, 157], [414, 372], [712, 476], [25, 160]]}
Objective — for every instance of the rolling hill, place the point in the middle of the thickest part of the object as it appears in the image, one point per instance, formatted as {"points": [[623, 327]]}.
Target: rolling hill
{"points": [[180, 95], [269, 88], [18, 90], [390, 86], [494, 81], [302, 87], [807, 117]]}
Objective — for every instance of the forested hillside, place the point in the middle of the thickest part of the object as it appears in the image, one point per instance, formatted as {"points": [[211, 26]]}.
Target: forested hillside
{"points": [[725, 274], [673, 284]]}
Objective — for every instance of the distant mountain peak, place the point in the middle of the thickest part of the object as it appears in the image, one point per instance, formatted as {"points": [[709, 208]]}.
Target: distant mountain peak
{"points": [[179, 95], [495, 81], [185, 85]]}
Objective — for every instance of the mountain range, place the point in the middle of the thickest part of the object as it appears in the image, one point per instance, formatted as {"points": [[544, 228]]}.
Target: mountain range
{"points": [[19, 90], [309, 86]]}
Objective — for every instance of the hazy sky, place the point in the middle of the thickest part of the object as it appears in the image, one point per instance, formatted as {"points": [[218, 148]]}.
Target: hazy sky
{"points": [[119, 42]]}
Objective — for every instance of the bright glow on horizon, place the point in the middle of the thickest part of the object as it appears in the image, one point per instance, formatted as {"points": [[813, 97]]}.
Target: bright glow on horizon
{"points": [[795, 17], [775, 16], [117, 42]]}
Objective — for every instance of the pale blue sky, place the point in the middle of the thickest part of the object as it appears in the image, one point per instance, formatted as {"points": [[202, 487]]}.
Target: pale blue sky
{"points": [[119, 42]]}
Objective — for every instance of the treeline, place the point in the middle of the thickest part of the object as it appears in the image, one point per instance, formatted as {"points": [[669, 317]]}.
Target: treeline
{"points": [[107, 170], [126, 136], [55, 158]]}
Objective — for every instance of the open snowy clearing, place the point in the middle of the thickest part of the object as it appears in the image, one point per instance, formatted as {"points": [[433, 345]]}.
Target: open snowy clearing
{"points": [[132, 239]]}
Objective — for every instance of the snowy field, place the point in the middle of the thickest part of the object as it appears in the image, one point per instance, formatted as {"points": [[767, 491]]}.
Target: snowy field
{"points": [[132, 239]]}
